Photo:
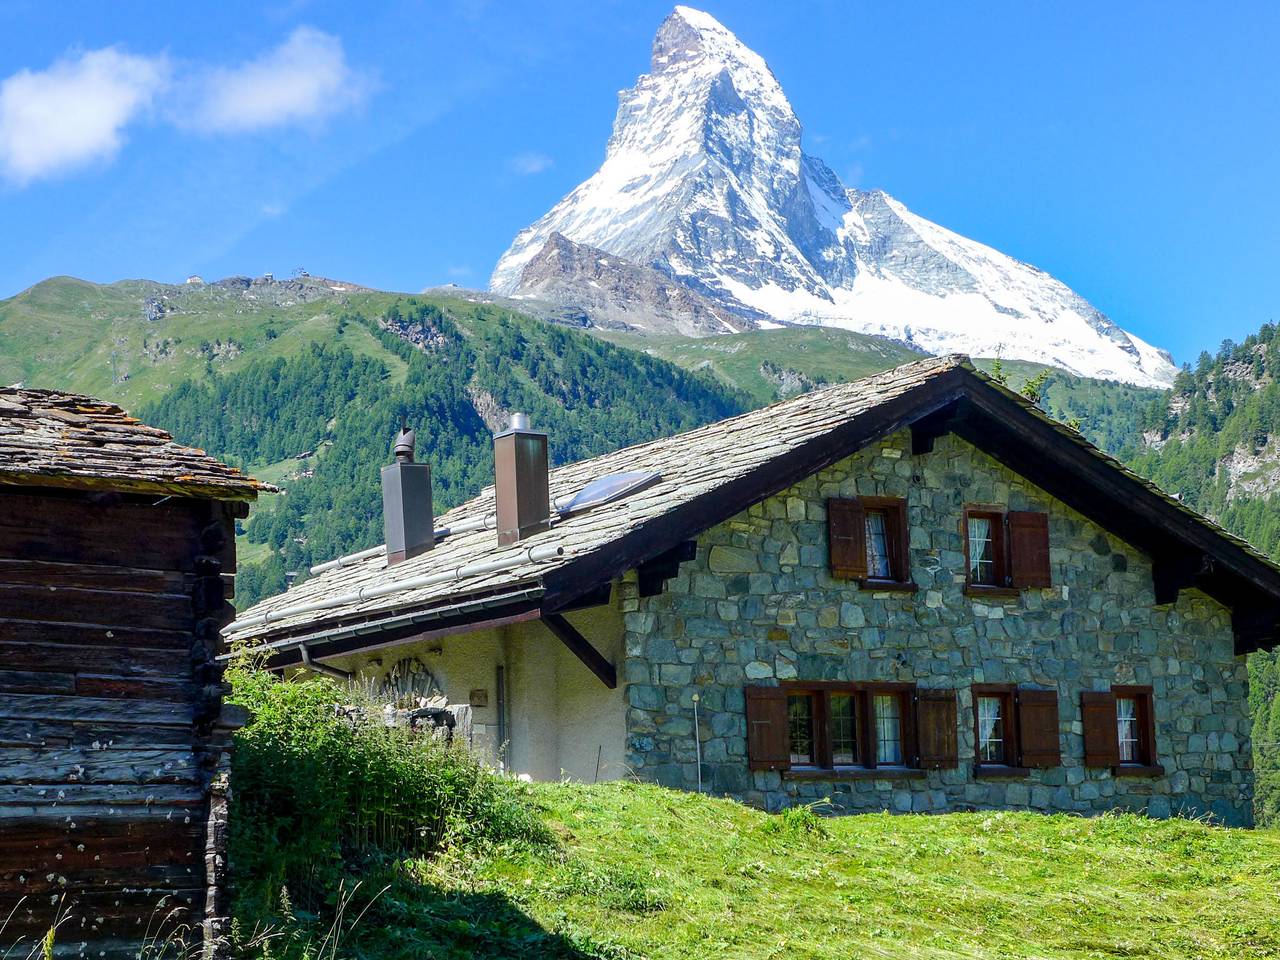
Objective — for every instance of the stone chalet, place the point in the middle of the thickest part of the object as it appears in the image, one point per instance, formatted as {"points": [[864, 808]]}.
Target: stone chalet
{"points": [[915, 592]]}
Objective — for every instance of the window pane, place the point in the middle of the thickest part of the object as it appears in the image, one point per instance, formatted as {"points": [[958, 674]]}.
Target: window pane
{"points": [[878, 546], [991, 730], [1127, 729], [888, 729], [982, 564], [844, 731], [800, 727]]}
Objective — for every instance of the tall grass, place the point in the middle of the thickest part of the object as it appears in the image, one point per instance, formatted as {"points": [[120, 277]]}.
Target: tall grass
{"points": [[318, 797]]}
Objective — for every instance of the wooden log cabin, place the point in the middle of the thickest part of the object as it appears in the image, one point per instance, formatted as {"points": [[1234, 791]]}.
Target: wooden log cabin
{"points": [[117, 551]]}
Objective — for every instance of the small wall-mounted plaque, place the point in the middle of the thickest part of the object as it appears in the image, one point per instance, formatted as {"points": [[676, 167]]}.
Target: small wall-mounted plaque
{"points": [[479, 698]]}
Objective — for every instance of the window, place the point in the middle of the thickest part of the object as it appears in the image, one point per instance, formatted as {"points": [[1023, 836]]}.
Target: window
{"points": [[1014, 729], [879, 566], [984, 544], [888, 728], [869, 541], [1127, 730], [1120, 730], [823, 725], [800, 727], [844, 730], [1006, 550], [991, 720]]}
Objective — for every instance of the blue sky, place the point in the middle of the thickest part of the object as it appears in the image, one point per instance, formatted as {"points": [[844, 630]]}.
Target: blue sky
{"points": [[1129, 149]]}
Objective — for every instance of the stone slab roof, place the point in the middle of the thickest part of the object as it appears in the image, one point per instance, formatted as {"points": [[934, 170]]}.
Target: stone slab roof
{"points": [[707, 475], [54, 439]]}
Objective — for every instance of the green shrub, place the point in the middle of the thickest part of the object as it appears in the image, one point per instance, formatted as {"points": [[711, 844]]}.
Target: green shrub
{"points": [[318, 797], [796, 822]]}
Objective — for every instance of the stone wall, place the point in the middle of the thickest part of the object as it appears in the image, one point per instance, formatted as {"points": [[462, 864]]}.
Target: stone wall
{"points": [[758, 605]]}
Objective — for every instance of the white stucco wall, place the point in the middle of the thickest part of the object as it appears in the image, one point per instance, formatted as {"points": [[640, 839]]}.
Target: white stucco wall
{"points": [[561, 720]]}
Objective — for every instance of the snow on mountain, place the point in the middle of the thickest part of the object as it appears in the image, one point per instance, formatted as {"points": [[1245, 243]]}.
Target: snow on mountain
{"points": [[704, 180]]}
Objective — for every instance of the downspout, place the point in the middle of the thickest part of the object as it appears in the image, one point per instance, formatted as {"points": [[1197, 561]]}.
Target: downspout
{"points": [[321, 668]]}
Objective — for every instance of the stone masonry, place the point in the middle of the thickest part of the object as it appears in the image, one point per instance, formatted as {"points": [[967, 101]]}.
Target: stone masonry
{"points": [[759, 605]]}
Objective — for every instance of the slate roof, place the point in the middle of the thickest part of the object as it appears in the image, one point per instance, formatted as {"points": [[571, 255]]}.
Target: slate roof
{"points": [[54, 439], [707, 475]]}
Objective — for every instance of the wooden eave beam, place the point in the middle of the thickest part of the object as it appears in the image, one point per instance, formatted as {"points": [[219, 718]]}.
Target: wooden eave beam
{"points": [[1174, 571], [929, 428], [654, 574], [581, 648], [1255, 627]]}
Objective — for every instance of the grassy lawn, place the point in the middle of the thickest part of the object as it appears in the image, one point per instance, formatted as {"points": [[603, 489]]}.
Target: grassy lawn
{"points": [[644, 872]]}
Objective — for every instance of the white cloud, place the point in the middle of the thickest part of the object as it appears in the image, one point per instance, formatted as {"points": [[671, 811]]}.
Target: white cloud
{"points": [[304, 78], [74, 112], [526, 164]]}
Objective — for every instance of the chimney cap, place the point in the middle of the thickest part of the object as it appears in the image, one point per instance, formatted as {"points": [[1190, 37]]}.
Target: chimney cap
{"points": [[405, 443], [519, 423]]}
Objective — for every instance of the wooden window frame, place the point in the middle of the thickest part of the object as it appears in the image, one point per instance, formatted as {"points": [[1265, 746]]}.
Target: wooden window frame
{"points": [[898, 539], [999, 549], [1024, 568], [848, 559], [1149, 765], [863, 694], [1010, 766]]}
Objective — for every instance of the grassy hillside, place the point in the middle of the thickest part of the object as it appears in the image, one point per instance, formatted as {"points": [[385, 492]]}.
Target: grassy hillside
{"points": [[475, 865], [753, 362], [638, 871], [647, 872], [105, 339]]}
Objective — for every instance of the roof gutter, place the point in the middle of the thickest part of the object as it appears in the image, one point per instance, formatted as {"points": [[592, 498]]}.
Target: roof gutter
{"points": [[308, 646], [536, 554]]}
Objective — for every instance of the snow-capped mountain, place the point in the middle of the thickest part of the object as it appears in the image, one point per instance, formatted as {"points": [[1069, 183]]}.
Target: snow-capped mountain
{"points": [[705, 181]]}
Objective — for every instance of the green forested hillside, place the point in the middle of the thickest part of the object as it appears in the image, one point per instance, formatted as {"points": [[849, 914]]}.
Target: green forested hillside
{"points": [[326, 418], [1212, 441]]}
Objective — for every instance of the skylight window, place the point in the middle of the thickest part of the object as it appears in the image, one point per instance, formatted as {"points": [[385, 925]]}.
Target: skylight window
{"points": [[607, 489]]}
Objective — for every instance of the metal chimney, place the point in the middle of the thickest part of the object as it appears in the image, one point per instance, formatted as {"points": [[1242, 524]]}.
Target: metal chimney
{"points": [[406, 503], [520, 481]]}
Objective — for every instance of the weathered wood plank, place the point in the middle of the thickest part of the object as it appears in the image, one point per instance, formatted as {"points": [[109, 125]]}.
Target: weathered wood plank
{"points": [[134, 688], [71, 530], [52, 707], [39, 732], [36, 681], [21, 800], [171, 658], [59, 765], [92, 576], [173, 870], [162, 611], [108, 913], [87, 634]]}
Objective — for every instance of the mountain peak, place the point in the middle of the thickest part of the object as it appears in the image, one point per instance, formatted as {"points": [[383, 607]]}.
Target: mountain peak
{"points": [[705, 182], [690, 40]]}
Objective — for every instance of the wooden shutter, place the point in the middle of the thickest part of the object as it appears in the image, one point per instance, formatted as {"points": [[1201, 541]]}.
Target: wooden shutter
{"points": [[1101, 743], [1038, 728], [768, 747], [936, 722], [902, 557], [1029, 549], [847, 537]]}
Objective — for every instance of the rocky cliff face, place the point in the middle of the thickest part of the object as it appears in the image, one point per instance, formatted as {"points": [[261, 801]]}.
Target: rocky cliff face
{"points": [[622, 295], [705, 181]]}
